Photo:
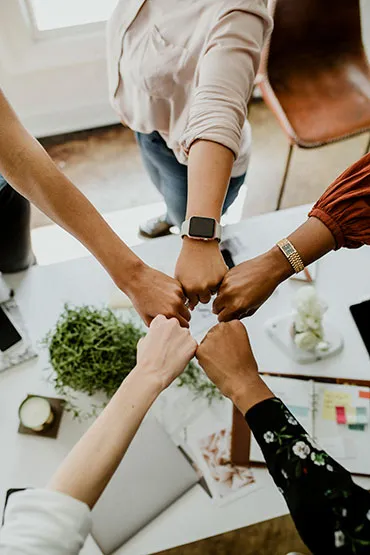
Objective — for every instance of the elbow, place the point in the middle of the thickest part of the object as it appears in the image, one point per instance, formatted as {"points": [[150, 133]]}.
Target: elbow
{"points": [[217, 117]]}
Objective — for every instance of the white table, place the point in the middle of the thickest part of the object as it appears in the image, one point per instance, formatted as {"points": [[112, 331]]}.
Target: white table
{"points": [[343, 279]]}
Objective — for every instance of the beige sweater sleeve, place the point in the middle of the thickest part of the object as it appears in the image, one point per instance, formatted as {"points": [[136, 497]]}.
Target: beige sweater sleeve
{"points": [[226, 74]]}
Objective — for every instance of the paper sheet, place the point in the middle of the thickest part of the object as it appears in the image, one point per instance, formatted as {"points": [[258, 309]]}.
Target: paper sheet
{"points": [[335, 446], [227, 482]]}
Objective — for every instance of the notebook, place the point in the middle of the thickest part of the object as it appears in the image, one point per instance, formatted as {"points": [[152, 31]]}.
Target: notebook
{"points": [[153, 475], [337, 416]]}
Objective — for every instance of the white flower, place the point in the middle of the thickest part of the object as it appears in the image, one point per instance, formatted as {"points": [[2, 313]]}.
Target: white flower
{"points": [[301, 449], [339, 538], [312, 442], [292, 420], [344, 512], [322, 346], [269, 437], [313, 323], [330, 468], [308, 303], [306, 295], [306, 341], [368, 515], [284, 474], [300, 323], [317, 459]]}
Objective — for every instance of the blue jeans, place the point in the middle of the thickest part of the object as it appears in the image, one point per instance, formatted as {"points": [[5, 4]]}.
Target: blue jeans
{"points": [[171, 178]]}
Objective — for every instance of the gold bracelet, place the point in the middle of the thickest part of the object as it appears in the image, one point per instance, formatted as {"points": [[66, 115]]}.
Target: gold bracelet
{"points": [[291, 254]]}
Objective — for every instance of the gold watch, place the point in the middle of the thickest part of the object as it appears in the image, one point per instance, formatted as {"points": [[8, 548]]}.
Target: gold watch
{"points": [[291, 254]]}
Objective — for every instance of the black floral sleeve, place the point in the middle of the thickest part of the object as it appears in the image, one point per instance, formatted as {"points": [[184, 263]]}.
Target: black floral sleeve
{"points": [[331, 513]]}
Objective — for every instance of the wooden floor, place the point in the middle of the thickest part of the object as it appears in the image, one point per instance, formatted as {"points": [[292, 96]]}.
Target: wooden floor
{"points": [[274, 537]]}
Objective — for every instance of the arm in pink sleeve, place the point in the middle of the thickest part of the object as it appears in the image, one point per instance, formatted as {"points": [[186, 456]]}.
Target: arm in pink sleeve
{"points": [[226, 75]]}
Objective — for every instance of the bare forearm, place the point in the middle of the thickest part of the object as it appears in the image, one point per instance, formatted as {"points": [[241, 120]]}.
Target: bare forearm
{"points": [[209, 170], [90, 465], [312, 240], [29, 169]]}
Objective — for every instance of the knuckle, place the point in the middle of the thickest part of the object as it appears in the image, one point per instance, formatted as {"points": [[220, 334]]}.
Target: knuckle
{"points": [[168, 315]]}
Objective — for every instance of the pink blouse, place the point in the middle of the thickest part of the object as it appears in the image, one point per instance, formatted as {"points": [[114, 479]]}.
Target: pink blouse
{"points": [[186, 68]]}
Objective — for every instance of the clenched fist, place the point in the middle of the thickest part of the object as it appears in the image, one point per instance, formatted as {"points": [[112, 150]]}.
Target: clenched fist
{"points": [[247, 286], [200, 269], [166, 350], [226, 356], [153, 293]]}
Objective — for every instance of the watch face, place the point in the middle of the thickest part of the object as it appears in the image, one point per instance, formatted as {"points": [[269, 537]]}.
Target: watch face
{"points": [[202, 227]]}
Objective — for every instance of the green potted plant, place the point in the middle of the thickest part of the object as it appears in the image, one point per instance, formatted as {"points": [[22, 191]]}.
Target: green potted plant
{"points": [[92, 350]]}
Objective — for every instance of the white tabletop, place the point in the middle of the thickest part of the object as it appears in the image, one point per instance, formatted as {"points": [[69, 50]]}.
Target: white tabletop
{"points": [[41, 292]]}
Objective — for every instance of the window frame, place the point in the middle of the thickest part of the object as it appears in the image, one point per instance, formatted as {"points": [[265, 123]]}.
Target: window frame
{"points": [[24, 48]]}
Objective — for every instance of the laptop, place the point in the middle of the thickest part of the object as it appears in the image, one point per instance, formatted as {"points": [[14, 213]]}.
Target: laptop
{"points": [[153, 474]]}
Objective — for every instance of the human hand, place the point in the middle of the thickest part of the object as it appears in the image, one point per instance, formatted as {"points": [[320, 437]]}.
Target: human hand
{"points": [[247, 286], [153, 293], [166, 350], [200, 269], [225, 354]]}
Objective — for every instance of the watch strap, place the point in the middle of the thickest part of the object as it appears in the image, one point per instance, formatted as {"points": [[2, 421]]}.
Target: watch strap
{"points": [[185, 228], [291, 254]]}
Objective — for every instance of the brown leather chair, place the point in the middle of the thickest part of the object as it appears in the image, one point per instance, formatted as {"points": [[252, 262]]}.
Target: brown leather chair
{"points": [[314, 74]]}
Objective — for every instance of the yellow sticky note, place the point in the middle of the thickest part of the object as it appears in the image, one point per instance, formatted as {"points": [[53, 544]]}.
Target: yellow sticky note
{"points": [[334, 399]]}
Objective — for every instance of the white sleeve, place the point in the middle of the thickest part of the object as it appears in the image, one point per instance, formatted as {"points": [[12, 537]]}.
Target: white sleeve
{"points": [[39, 522], [226, 74]]}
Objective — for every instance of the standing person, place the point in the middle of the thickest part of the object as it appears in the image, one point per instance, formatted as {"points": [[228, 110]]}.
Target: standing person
{"points": [[180, 75], [33, 174]]}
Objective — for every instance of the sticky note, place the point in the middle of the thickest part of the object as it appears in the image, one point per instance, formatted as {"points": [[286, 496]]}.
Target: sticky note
{"points": [[341, 415], [358, 427], [299, 411], [362, 415], [364, 394], [351, 416], [334, 399]]}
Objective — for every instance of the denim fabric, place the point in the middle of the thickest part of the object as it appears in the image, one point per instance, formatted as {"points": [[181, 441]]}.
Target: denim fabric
{"points": [[171, 178]]}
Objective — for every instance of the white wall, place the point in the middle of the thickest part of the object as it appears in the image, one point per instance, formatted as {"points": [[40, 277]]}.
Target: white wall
{"points": [[60, 100], [56, 81]]}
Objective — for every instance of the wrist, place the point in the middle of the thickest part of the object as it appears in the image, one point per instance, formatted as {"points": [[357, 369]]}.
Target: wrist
{"points": [[147, 381], [126, 276], [250, 392], [281, 268], [191, 244]]}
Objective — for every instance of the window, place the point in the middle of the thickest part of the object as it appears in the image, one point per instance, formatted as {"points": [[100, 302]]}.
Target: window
{"points": [[59, 14]]}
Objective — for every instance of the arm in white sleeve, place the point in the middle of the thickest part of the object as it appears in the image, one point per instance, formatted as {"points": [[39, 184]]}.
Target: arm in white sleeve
{"points": [[44, 522], [226, 75]]}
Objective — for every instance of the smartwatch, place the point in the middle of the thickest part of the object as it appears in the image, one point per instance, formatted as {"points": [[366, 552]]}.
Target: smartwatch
{"points": [[203, 229]]}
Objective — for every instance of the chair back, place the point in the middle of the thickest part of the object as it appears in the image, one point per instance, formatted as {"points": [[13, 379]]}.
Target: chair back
{"points": [[310, 35]]}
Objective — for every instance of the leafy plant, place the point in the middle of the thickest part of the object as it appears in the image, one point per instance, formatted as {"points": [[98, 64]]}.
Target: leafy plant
{"points": [[92, 350]]}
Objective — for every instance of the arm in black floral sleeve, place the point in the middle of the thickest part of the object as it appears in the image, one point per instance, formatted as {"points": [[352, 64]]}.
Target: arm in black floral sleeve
{"points": [[331, 513]]}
